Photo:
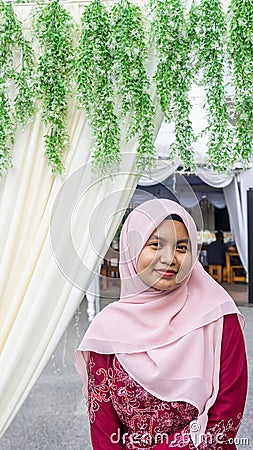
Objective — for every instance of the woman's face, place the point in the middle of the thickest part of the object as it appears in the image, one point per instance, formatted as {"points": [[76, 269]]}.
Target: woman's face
{"points": [[165, 259]]}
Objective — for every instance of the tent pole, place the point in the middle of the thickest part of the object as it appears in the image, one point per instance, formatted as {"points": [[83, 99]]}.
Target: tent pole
{"points": [[250, 242]]}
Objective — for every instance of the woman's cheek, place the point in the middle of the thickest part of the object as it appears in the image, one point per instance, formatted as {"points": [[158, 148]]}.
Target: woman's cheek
{"points": [[185, 267]]}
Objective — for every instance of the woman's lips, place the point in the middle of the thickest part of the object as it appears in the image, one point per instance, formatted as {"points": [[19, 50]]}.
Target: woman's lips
{"points": [[167, 273]]}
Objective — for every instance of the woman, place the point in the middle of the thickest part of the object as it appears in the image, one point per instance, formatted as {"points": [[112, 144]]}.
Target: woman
{"points": [[165, 366]]}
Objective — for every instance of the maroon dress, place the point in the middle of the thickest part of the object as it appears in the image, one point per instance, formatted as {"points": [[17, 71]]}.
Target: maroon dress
{"points": [[123, 415]]}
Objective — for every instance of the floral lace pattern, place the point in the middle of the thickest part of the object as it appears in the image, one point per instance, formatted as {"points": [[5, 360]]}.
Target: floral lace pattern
{"points": [[219, 437], [97, 393], [182, 439], [147, 419]]}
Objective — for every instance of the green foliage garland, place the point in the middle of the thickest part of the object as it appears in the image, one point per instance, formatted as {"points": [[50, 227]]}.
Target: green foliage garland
{"points": [[208, 32], [17, 67], [52, 26], [6, 134], [95, 85], [241, 59], [173, 76], [130, 52], [112, 83]]}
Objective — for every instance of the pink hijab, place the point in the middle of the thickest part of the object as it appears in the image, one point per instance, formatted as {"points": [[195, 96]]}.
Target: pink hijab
{"points": [[168, 342]]}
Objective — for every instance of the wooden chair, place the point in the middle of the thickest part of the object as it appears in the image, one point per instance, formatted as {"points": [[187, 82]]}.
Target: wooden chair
{"points": [[109, 269], [215, 270], [103, 272], [235, 272], [224, 274], [113, 268]]}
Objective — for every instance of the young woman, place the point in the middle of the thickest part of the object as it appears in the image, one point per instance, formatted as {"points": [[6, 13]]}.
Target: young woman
{"points": [[165, 366]]}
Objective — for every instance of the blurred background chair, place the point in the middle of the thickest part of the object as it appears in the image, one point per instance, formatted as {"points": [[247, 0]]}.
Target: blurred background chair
{"points": [[113, 268], [216, 258], [216, 271], [235, 269]]}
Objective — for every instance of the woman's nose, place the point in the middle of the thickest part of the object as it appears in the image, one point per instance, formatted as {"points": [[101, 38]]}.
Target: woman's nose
{"points": [[168, 255]]}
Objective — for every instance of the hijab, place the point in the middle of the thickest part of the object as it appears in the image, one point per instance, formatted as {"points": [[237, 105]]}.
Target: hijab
{"points": [[168, 342]]}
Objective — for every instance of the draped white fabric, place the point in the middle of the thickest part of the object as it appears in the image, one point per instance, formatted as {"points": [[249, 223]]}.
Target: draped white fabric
{"points": [[213, 178], [46, 269], [246, 182], [236, 197], [162, 170], [236, 216], [183, 192]]}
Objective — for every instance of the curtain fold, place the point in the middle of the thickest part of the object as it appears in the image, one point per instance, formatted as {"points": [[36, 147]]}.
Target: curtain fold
{"points": [[46, 220], [245, 183], [238, 225], [213, 178], [162, 170]]}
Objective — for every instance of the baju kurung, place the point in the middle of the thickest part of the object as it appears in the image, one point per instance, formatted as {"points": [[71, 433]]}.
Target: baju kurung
{"points": [[123, 415]]}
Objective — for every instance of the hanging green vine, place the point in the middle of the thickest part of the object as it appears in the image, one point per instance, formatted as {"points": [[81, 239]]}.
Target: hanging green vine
{"points": [[24, 81], [6, 134], [241, 60], [16, 86], [52, 26], [130, 53], [95, 86], [109, 67], [208, 36], [173, 76]]}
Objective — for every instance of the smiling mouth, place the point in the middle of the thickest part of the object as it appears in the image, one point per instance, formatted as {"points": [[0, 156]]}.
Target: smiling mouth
{"points": [[167, 273]]}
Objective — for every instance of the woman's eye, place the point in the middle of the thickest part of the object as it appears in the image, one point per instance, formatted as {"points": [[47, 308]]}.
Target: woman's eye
{"points": [[182, 248], [155, 244]]}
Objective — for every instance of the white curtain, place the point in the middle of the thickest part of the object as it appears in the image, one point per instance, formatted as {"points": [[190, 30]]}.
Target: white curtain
{"points": [[162, 170], [238, 225], [236, 198], [54, 232], [213, 178], [245, 182]]}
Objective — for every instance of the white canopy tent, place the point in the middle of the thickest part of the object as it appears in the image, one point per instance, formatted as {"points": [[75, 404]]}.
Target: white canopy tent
{"points": [[235, 184], [235, 191]]}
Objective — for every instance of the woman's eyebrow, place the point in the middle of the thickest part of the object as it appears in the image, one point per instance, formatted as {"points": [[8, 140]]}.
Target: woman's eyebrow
{"points": [[183, 241], [180, 241], [156, 236]]}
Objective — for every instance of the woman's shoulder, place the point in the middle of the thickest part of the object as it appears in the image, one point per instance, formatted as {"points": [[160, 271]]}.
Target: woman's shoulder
{"points": [[231, 322], [232, 336]]}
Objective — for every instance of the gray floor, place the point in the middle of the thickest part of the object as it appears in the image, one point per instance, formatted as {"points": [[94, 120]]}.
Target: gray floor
{"points": [[54, 417]]}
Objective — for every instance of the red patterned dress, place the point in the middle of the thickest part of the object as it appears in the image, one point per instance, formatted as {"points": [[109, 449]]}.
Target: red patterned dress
{"points": [[123, 415]]}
